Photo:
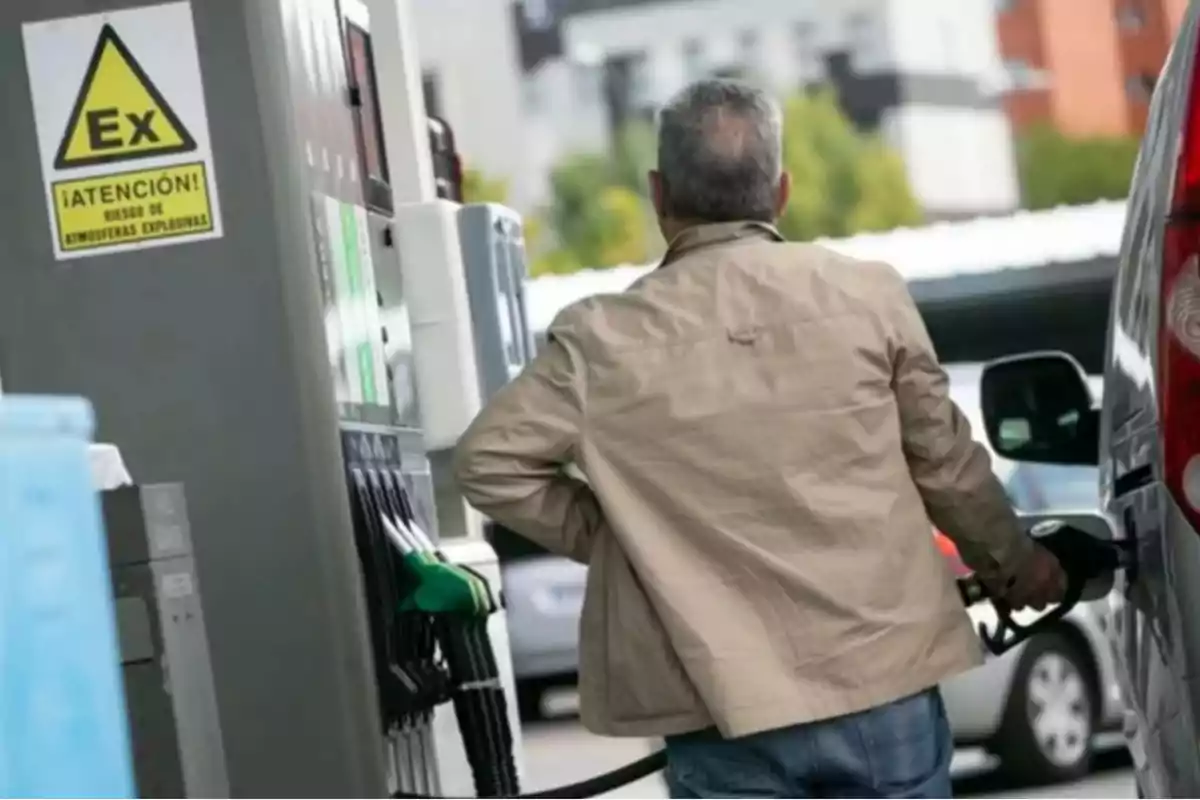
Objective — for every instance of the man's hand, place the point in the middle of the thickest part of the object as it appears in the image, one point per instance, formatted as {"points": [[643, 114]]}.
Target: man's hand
{"points": [[1041, 583]]}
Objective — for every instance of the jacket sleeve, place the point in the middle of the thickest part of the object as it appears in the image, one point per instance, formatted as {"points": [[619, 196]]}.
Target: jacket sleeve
{"points": [[511, 462], [952, 471]]}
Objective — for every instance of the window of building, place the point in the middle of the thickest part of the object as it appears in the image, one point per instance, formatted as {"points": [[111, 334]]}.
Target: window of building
{"points": [[531, 94], [1022, 74], [639, 80], [539, 15], [733, 73], [1131, 16], [748, 44], [748, 51], [1140, 87], [804, 45], [695, 64], [585, 83], [860, 34]]}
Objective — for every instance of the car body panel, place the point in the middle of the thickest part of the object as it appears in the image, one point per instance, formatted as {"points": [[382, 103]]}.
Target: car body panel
{"points": [[976, 700], [543, 599], [1157, 647]]}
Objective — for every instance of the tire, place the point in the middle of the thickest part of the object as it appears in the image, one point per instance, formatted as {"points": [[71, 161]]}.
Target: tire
{"points": [[530, 694], [1050, 717]]}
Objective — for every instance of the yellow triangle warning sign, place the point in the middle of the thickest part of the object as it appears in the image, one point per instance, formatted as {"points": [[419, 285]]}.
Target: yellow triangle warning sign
{"points": [[119, 114]]}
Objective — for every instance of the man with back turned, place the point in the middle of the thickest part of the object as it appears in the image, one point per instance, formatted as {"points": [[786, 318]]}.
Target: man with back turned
{"points": [[767, 435]]}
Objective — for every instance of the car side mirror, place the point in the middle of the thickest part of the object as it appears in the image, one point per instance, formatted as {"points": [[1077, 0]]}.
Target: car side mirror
{"points": [[1038, 407]]}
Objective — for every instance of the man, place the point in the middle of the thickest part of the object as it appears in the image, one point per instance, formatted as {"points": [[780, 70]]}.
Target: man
{"points": [[766, 435]]}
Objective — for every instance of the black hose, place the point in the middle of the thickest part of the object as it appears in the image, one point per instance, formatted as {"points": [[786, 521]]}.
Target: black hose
{"points": [[1082, 557], [613, 779], [970, 589], [591, 787], [480, 706]]}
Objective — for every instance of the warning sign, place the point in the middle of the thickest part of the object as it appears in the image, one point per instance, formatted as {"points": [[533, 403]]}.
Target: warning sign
{"points": [[119, 114], [132, 207], [123, 130]]}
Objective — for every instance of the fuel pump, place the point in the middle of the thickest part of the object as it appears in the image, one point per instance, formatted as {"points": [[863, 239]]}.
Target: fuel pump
{"points": [[493, 247], [383, 428], [205, 245]]}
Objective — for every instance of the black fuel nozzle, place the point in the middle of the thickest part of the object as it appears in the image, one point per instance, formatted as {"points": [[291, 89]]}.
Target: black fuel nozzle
{"points": [[1081, 553], [1087, 560]]}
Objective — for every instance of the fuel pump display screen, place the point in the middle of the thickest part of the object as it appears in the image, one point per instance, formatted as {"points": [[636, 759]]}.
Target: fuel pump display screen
{"points": [[369, 133], [353, 323], [364, 79]]}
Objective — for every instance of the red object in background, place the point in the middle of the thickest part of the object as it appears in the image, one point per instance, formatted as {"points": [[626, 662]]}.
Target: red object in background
{"points": [[947, 549]]}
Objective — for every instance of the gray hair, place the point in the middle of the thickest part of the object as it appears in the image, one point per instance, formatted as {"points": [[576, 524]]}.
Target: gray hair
{"points": [[720, 153]]}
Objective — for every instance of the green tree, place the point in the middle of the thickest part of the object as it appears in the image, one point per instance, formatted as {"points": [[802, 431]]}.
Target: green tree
{"points": [[884, 199], [546, 256], [596, 220], [1059, 170], [635, 154], [843, 181], [479, 188]]}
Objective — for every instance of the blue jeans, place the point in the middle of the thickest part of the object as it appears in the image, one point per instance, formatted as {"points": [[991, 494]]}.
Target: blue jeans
{"points": [[902, 749]]}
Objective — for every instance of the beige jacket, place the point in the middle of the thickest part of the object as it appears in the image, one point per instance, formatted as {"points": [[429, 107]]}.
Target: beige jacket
{"points": [[767, 435]]}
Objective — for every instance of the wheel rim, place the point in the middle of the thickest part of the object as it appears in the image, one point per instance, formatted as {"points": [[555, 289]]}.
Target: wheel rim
{"points": [[1060, 709]]}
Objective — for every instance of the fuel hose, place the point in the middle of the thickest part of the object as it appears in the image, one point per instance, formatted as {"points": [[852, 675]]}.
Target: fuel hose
{"points": [[461, 602], [450, 604], [970, 590], [591, 787], [488, 738], [479, 700]]}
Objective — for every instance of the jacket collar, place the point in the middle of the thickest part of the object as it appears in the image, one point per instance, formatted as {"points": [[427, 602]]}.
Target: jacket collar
{"points": [[703, 236]]}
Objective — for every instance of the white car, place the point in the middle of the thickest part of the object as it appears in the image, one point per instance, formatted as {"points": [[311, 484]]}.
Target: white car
{"points": [[1037, 707], [543, 598], [1040, 706]]}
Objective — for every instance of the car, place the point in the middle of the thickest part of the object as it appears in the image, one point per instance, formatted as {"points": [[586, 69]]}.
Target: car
{"points": [[1040, 706], [1143, 435], [543, 600], [1037, 706]]}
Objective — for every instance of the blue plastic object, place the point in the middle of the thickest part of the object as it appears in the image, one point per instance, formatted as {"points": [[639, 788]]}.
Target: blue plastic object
{"points": [[63, 729]]}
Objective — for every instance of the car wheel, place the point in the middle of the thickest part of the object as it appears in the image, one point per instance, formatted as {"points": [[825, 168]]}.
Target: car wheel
{"points": [[1050, 718], [530, 696]]}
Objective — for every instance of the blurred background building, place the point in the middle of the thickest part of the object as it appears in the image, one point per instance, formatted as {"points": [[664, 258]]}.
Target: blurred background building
{"points": [[898, 112], [925, 75], [472, 78], [1085, 67]]}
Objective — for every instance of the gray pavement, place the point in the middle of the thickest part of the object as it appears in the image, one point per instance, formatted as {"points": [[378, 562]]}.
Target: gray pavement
{"points": [[560, 751]]}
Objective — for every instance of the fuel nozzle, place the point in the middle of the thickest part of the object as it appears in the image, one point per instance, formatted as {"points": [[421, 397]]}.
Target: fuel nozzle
{"points": [[1084, 556], [1089, 562]]}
